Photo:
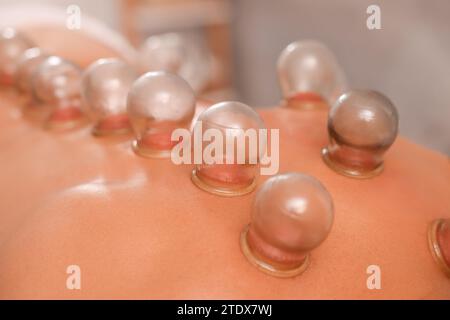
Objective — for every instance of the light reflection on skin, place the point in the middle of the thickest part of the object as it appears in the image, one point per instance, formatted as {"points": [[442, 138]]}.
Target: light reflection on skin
{"points": [[102, 185]]}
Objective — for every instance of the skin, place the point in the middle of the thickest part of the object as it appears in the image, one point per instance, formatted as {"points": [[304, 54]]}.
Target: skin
{"points": [[139, 229], [43, 36], [103, 208], [46, 28]]}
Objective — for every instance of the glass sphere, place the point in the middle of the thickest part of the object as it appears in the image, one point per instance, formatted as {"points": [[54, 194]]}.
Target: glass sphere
{"points": [[292, 215], [56, 84], [26, 66], [362, 125], [159, 103], [12, 46], [105, 86], [232, 163], [309, 75], [181, 54]]}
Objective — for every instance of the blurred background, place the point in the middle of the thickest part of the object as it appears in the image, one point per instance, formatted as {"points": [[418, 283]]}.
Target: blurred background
{"points": [[240, 40]]}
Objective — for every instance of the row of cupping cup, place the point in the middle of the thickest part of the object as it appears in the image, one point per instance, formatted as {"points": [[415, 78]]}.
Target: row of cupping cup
{"points": [[292, 212], [362, 124]]}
